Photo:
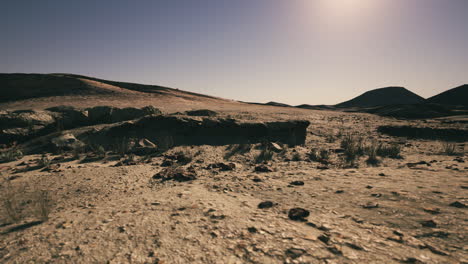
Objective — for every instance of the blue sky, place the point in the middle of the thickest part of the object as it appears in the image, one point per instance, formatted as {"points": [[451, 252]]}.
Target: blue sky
{"points": [[293, 51]]}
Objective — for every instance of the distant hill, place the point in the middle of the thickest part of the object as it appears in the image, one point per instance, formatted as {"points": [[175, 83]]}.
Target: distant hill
{"points": [[316, 107], [383, 96], [455, 96]]}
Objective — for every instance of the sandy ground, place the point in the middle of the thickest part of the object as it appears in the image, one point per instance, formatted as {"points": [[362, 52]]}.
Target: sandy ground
{"points": [[108, 214]]}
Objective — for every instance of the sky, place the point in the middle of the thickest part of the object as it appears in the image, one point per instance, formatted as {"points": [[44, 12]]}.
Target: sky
{"points": [[289, 51]]}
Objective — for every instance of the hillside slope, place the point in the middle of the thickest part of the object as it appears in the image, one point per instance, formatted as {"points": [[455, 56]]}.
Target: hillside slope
{"points": [[383, 96], [455, 96]]}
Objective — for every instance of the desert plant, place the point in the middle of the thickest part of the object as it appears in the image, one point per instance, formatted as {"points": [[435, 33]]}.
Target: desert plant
{"points": [[237, 149], [353, 148], [389, 150], [449, 148], [265, 155], [319, 155], [44, 162], [10, 155], [296, 156], [10, 201], [43, 204], [372, 153]]}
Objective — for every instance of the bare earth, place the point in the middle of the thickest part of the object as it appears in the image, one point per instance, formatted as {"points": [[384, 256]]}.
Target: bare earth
{"points": [[108, 214]]}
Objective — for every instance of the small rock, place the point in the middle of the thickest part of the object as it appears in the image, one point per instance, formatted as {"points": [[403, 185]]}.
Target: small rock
{"points": [[370, 205], [339, 191], [294, 253], [297, 183], [263, 168], [252, 229], [275, 147], [369, 186], [265, 205], [382, 174], [429, 223], [432, 210], [298, 214], [458, 204], [324, 238]]}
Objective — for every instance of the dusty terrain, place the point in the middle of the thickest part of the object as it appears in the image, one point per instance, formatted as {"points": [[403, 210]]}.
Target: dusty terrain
{"points": [[401, 211]]}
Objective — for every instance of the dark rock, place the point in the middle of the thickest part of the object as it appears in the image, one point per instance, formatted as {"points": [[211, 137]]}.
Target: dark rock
{"points": [[297, 183], [252, 229], [370, 205], [222, 166], [179, 131], [429, 223], [201, 112], [298, 214], [263, 168], [339, 191], [324, 238], [294, 253], [458, 204], [265, 205]]}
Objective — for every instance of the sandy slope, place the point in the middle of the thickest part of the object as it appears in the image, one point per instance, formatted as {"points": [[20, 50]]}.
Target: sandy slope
{"points": [[122, 215]]}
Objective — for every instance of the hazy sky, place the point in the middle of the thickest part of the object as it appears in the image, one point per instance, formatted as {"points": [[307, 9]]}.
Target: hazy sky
{"points": [[291, 51]]}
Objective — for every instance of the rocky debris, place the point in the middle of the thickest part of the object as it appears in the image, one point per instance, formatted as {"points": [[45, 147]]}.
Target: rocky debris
{"points": [[144, 147], [222, 166], [297, 183], [263, 168], [429, 223], [70, 117], [448, 134], [179, 175], [432, 210], [265, 205], [294, 253], [66, 142], [109, 114], [24, 124], [179, 131], [275, 147], [458, 204], [201, 112], [298, 214], [325, 238], [370, 205]]}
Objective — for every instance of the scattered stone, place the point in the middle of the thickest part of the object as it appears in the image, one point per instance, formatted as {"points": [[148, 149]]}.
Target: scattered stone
{"points": [[370, 205], [201, 112], [222, 166], [263, 168], [411, 260], [252, 229], [256, 179], [382, 174], [294, 253], [297, 183], [369, 186], [325, 238], [178, 175], [458, 204], [298, 214], [339, 191], [429, 223], [354, 246], [432, 210], [377, 195], [275, 147], [265, 205]]}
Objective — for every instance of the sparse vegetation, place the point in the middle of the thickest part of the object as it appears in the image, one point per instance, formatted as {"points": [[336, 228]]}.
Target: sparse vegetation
{"points": [[319, 155], [44, 162], [237, 149], [389, 150], [10, 155], [372, 153], [296, 156], [449, 148], [265, 155], [21, 201]]}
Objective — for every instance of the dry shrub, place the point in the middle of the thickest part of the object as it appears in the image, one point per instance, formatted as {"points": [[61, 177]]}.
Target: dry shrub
{"points": [[21, 201], [449, 148]]}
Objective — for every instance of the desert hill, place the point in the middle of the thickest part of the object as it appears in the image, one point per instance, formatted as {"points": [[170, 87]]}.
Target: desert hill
{"points": [[455, 96], [383, 96], [41, 91]]}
